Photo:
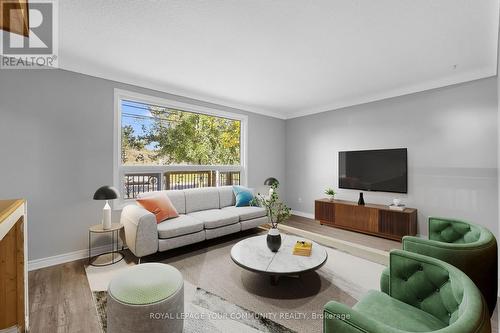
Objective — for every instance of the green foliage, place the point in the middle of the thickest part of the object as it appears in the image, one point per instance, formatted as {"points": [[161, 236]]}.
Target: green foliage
{"points": [[130, 142], [192, 138], [329, 191], [277, 211]]}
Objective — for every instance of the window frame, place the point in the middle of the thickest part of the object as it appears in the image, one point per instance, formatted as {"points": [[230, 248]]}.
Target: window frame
{"points": [[120, 170]]}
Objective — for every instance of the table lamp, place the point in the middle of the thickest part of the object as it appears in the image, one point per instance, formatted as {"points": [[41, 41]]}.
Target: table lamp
{"points": [[106, 193], [271, 182]]}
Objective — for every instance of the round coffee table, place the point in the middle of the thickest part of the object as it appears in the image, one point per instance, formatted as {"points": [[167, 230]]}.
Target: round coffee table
{"points": [[253, 254]]}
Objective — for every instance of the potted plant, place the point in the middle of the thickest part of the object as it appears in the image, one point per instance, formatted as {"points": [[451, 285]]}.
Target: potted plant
{"points": [[277, 212], [331, 193]]}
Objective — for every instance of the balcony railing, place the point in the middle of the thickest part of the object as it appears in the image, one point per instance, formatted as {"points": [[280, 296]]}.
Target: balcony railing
{"points": [[181, 180], [229, 178], [177, 180], [140, 183]]}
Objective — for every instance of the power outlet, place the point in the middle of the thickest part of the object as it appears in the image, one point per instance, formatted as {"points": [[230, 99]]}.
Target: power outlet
{"points": [[299, 200]]}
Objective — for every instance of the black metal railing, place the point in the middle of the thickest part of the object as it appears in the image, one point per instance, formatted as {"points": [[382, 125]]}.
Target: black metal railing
{"points": [[177, 180], [140, 183]]}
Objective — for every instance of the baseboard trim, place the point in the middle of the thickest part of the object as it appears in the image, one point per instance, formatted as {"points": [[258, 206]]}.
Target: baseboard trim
{"points": [[64, 258], [302, 214]]}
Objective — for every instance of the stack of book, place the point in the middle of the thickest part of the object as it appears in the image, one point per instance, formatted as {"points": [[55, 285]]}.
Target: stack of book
{"points": [[302, 248]]}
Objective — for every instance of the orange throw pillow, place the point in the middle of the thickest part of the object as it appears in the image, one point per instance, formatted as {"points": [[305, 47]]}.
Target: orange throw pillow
{"points": [[160, 205]]}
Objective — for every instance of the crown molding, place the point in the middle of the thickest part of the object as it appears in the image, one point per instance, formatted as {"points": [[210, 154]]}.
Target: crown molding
{"points": [[168, 89], [412, 89], [343, 103]]}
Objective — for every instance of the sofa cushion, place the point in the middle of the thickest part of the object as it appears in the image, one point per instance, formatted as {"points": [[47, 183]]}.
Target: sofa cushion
{"points": [[178, 200], [247, 213], [160, 205], [381, 307], [198, 199], [243, 196], [215, 218], [226, 196], [222, 231], [175, 196], [179, 226], [253, 223]]}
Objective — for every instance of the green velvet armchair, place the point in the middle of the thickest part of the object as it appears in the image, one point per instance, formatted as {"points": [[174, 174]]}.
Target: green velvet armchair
{"points": [[470, 247], [424, 295]]}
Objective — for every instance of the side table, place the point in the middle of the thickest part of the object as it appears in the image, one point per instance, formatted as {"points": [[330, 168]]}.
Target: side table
{"points": [[115, 253]]}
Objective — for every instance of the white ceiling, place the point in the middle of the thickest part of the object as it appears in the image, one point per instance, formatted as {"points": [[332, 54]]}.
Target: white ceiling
{"points": [[283, 58]]}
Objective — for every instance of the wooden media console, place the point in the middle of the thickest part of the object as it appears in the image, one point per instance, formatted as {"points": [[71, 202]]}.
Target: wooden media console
{"points": [[377, 220]]}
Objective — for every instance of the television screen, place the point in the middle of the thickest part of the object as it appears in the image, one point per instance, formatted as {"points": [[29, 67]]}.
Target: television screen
{"points": [[382, 170]]}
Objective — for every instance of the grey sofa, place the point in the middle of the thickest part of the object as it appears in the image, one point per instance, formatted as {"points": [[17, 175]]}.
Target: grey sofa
{"points": [[204, 213]]}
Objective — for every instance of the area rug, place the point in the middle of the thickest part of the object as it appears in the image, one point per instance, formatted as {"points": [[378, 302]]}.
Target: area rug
{"points": [[213, 309], [295, 303]]}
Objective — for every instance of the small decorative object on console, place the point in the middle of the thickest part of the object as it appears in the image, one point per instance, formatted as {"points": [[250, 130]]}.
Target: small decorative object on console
{"points": [[361, 200], [397, 205], [331, 193]]}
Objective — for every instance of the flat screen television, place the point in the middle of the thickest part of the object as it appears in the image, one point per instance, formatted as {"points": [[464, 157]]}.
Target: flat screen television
{"points": [[384, 170]]}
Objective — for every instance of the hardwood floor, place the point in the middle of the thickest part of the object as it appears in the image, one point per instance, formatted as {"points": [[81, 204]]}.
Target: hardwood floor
{"points": [[61, 301], [345, 235]]}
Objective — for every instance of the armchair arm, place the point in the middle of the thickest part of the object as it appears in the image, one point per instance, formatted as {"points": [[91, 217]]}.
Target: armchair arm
{"points": [[421, 243], [385, 280], [338, 317], [141, 233], [459, 255]]}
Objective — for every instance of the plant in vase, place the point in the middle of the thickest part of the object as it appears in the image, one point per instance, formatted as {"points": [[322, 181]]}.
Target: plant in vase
{"points": [[331, 193], [277, 212]]}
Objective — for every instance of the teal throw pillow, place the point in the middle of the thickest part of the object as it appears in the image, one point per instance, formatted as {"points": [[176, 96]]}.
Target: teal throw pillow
{"points": [[243, 196]]}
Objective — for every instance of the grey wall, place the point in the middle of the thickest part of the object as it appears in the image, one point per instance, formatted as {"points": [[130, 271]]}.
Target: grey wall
{"points": [[56, 149], [451, 136]]}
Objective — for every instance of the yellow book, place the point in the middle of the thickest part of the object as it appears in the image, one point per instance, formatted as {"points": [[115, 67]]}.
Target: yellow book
{"points": [[302, 248]]}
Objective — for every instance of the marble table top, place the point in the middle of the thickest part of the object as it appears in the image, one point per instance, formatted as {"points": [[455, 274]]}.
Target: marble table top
{"points": [[253, 254]]}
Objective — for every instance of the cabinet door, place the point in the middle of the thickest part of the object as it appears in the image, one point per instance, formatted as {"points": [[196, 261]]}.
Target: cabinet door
{"points": [[8, 280], [357, 217], [394, 223], [324, 212]]}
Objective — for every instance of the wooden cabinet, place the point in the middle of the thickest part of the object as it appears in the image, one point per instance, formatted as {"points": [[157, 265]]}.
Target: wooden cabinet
{"points": [[324, 213], [376, 220], [13, 267]]}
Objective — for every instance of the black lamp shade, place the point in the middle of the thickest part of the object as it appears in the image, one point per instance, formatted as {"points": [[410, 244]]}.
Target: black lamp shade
{"points": [[271, 181], [106, 193]]}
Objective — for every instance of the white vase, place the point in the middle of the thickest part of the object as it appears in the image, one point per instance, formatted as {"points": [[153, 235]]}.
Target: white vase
{"points": [[273, 232]]}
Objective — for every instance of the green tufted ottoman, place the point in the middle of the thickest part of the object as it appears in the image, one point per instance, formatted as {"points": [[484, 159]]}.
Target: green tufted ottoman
{"points": [[146, 298]]}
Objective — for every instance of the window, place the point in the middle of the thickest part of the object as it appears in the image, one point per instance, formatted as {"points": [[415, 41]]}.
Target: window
{"points": [[163, 144]]}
